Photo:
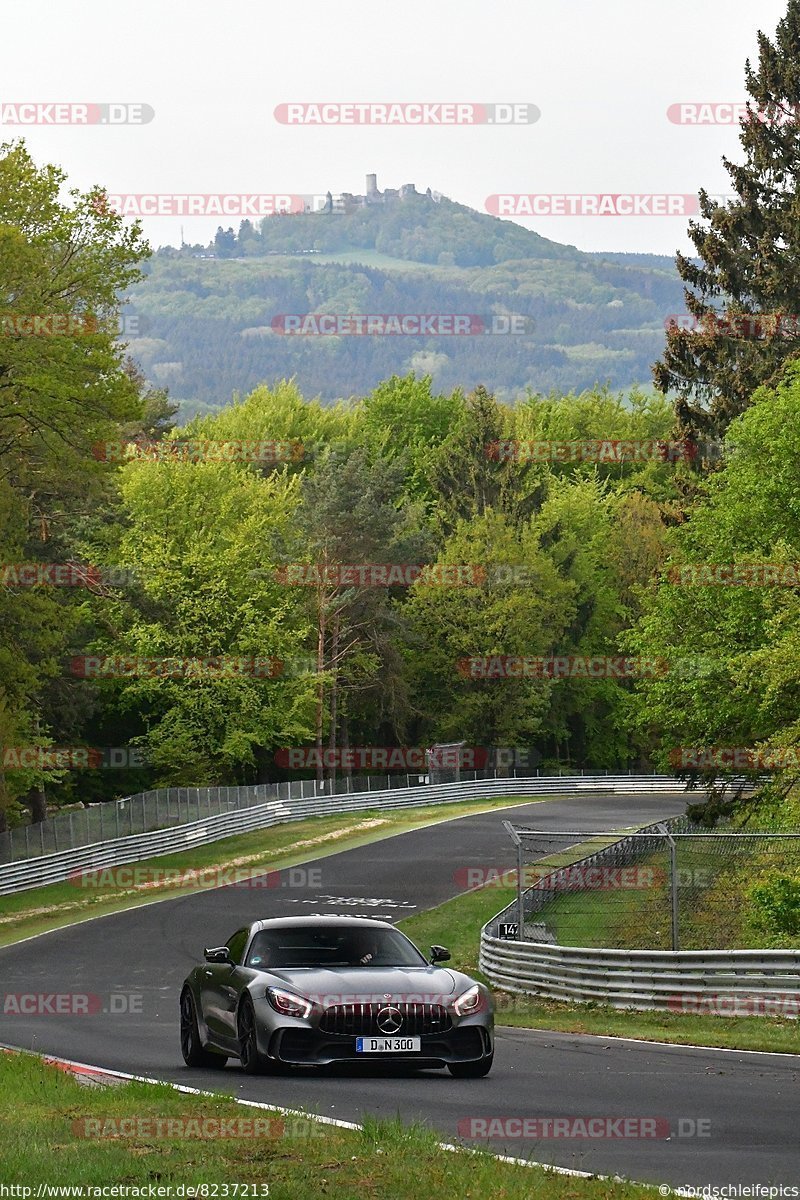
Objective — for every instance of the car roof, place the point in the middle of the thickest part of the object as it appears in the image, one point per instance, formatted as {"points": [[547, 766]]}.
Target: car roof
{"points": [[312, 921]]}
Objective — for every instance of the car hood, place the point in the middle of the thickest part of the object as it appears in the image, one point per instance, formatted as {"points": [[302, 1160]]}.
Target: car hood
{"points": [[343, 986]]}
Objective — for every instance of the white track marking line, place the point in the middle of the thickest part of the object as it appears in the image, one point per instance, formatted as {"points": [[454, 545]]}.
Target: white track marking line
{"points": [[86, 1068], [618, 1037]]}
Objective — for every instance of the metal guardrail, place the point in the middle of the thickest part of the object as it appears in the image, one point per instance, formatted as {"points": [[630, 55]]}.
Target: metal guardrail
{"points": [[164, 808], [23, 874], [666, 980], [722, 982]]}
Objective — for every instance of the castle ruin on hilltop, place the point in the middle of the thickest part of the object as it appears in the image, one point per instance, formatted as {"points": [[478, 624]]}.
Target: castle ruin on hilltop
{"points": [[347, 202]]}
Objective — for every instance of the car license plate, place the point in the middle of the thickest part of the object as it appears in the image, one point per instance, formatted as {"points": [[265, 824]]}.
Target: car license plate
{"points": [[388, 1045]]}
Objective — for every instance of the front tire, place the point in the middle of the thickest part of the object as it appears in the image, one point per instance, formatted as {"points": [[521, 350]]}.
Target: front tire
{"points": [[253, 1061], [472, 1070], [192, 1049]]}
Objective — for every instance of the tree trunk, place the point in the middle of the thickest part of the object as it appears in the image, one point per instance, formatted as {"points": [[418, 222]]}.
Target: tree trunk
{"points": [[321, 614], [37, 802], [348, 768], [334, 701], [3, 803]]}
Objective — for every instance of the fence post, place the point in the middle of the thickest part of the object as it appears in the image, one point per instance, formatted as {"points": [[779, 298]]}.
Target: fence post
{"points": [[512, 833], [673, 886]]}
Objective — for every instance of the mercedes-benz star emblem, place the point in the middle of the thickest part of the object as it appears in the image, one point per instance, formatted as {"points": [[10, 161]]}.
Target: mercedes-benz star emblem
{"points": [[389, 1020]]}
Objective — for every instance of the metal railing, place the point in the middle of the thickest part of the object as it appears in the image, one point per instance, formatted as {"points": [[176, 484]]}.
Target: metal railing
{"points": [[725, 982], [260, 808], [166, 808], [519, 951], [161, 808]]}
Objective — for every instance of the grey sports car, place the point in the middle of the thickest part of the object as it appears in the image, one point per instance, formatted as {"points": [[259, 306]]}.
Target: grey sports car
{"points": [[313, 991]]}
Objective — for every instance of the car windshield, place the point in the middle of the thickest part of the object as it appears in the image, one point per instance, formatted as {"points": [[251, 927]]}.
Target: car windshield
{"points": [[332, 946]]}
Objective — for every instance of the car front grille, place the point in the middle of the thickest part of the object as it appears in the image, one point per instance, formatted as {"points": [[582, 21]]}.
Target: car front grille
{"points": [[359, 1020]]}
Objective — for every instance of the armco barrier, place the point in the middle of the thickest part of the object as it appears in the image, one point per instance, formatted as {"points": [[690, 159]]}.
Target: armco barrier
{"points": [[22, 874], [722, 982], [717, 981], [165, 808]]}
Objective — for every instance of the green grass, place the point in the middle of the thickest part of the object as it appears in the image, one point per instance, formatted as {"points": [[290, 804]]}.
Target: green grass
{"points": [[25, 914], [457, 923], [774, 1034], [714, 903], [632, 918], [372, 258], [41, 1108], [461, 919]]}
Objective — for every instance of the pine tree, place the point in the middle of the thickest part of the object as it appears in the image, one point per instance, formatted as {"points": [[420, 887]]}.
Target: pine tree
{"points": [[745, 291]]}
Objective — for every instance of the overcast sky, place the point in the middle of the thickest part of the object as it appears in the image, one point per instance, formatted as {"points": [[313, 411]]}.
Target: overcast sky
{"points": [[602, 74]]}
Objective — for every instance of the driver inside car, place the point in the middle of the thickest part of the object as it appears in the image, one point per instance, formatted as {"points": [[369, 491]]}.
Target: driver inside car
{"points": [[365, 949]]}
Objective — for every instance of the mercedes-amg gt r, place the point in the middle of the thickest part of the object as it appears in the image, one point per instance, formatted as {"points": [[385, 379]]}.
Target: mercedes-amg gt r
{"points": [[315, 991]]}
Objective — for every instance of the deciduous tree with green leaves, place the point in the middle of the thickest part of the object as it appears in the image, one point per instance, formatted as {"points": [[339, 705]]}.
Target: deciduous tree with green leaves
{"points": [[522, 611], [207, 540], [65, 263], [732, 651]]}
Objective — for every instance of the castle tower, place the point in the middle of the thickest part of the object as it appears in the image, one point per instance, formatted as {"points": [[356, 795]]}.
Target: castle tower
{"points": [[372, 185]]}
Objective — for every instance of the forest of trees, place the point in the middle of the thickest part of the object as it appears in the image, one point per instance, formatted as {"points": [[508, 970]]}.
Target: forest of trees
{"points": [[205, 327], [581, 527], [415, 228]]}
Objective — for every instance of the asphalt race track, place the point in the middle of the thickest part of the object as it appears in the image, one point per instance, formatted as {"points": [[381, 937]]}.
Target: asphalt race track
{"points": [[135, 962]]}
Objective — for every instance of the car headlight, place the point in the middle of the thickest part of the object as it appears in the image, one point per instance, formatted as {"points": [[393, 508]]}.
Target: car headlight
{"points": [[288, 1004], [468, 1001]]}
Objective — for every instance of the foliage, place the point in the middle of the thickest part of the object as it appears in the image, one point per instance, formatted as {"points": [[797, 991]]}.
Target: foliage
{"points": [[206, 324], [747, 263], [64, 264], [777, 905], [733, 650], [573, 558]]}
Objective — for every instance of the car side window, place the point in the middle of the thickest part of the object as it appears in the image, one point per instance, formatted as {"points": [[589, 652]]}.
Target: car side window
{"points": [[237, 943]]}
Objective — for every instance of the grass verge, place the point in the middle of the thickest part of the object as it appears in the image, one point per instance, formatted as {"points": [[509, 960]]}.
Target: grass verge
{"points": [[25, 914], [714, 901], [44, 1111], [456, 924]]}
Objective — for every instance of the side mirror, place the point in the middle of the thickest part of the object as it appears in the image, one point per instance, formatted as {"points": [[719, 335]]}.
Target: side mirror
{"points": [[439, 954], [217, 954]]}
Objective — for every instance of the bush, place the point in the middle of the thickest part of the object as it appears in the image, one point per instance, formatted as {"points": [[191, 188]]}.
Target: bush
{"points": [[777, 904]]}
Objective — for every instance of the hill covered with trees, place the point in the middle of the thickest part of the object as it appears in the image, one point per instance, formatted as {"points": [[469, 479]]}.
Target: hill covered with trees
{"points": [[209, 317]]}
